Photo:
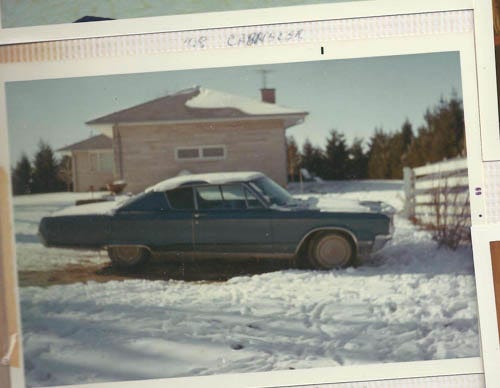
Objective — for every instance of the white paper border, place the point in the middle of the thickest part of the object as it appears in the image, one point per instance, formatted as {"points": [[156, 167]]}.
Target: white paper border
{"points": [[298, 378], [189, 22]]}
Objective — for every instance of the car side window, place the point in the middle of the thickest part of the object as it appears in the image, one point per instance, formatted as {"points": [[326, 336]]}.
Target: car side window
{"points": [[237, 196], [252, 201], [154, 201], [181, 198], [209, 198], [226, 197], [234, 196]]}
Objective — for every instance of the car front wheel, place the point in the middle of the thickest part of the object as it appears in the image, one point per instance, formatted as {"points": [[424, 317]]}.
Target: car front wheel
{"points": [[329, 250], [128, 256]]}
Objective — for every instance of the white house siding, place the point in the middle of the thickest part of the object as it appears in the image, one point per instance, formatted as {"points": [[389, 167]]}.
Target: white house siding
{"points": [[148, 151]]}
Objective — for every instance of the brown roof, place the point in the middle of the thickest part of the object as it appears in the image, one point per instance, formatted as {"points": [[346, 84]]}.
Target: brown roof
{"points": [[99, 142], [200, 104]]}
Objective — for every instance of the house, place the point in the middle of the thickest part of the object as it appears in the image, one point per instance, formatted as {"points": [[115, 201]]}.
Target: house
{"points": [[198, 131], [91, 162]]}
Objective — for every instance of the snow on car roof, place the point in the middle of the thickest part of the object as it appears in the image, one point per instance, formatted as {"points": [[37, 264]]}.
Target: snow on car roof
{"points": [[210, 178]]}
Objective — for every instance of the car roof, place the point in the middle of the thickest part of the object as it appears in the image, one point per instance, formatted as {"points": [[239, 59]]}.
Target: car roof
{"points": [[209, 178]]}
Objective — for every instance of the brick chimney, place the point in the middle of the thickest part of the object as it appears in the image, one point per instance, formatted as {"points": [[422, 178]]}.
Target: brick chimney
{"points": [[268, 95]]}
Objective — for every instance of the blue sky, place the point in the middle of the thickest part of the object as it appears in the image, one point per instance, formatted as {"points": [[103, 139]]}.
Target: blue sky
{"points": [[353, 96]]}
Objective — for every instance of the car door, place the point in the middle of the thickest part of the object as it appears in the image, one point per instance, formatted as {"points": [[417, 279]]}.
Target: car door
{"points": [[156, 223], [177, 228], [230, 219]]}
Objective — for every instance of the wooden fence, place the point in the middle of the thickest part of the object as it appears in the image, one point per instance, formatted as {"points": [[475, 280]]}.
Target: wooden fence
{"points": [[437, 194]]}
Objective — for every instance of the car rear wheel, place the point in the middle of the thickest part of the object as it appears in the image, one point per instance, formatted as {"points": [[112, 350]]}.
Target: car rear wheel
{"points": [[128, 256], [329, 250]]}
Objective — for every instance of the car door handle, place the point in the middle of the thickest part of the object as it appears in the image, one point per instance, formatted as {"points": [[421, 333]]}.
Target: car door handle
{"points": [[197, 217]]}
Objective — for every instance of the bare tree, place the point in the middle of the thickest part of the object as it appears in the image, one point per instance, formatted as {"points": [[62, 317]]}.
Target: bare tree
{"points": [[451, 209]]}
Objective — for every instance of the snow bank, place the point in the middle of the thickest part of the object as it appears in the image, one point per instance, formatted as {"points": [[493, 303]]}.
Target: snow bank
{"points": [[30, 253], [60, 199], [106, 207]]}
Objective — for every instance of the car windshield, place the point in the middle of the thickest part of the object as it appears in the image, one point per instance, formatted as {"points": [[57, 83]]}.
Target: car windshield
{"points": [[272, 192]]}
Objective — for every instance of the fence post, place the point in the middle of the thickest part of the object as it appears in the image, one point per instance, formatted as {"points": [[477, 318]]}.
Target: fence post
{"points": [[409, 189]]}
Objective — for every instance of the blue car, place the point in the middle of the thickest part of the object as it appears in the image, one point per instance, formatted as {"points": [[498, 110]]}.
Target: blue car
{"points": [[221, 215]]}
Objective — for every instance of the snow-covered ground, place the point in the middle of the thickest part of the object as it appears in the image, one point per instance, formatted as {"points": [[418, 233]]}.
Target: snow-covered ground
{"points": [[412, 301], [31, 255]]}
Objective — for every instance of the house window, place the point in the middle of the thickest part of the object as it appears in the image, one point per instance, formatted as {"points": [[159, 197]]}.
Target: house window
{"points": [[188, 153], [101, 161], [215, 152]]}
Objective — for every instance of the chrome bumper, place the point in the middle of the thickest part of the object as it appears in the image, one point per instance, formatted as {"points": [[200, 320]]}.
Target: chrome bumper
{"points": [[380, 241], [366, 248]]}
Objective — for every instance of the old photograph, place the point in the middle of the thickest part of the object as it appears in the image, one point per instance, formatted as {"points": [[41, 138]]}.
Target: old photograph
{"points": [[243, 219]]}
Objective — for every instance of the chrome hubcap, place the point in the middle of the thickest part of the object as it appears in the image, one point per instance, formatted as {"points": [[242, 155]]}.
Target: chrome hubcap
{"points": [[333, 251], [128, 254]]}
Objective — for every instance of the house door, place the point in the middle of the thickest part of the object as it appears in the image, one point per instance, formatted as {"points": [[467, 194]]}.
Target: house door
{"points": [[230, 220]]}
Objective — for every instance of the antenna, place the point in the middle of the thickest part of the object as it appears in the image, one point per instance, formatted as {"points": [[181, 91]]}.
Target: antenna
{"points": [[264, 73]]}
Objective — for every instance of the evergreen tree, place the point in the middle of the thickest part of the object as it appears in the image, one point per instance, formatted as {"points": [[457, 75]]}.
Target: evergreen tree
{"points": [[442, 136], [456, 109], [22, 176], [45, 170], [357, 164], [446, 123], [379, 155], [292, 158], [407, 140], [417, 154], [407, 134], [336, 155], [66, 171], [396, 155], [312, 159]]}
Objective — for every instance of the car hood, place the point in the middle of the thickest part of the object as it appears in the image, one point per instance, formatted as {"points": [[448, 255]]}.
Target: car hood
{"points": [[344, 205]]}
